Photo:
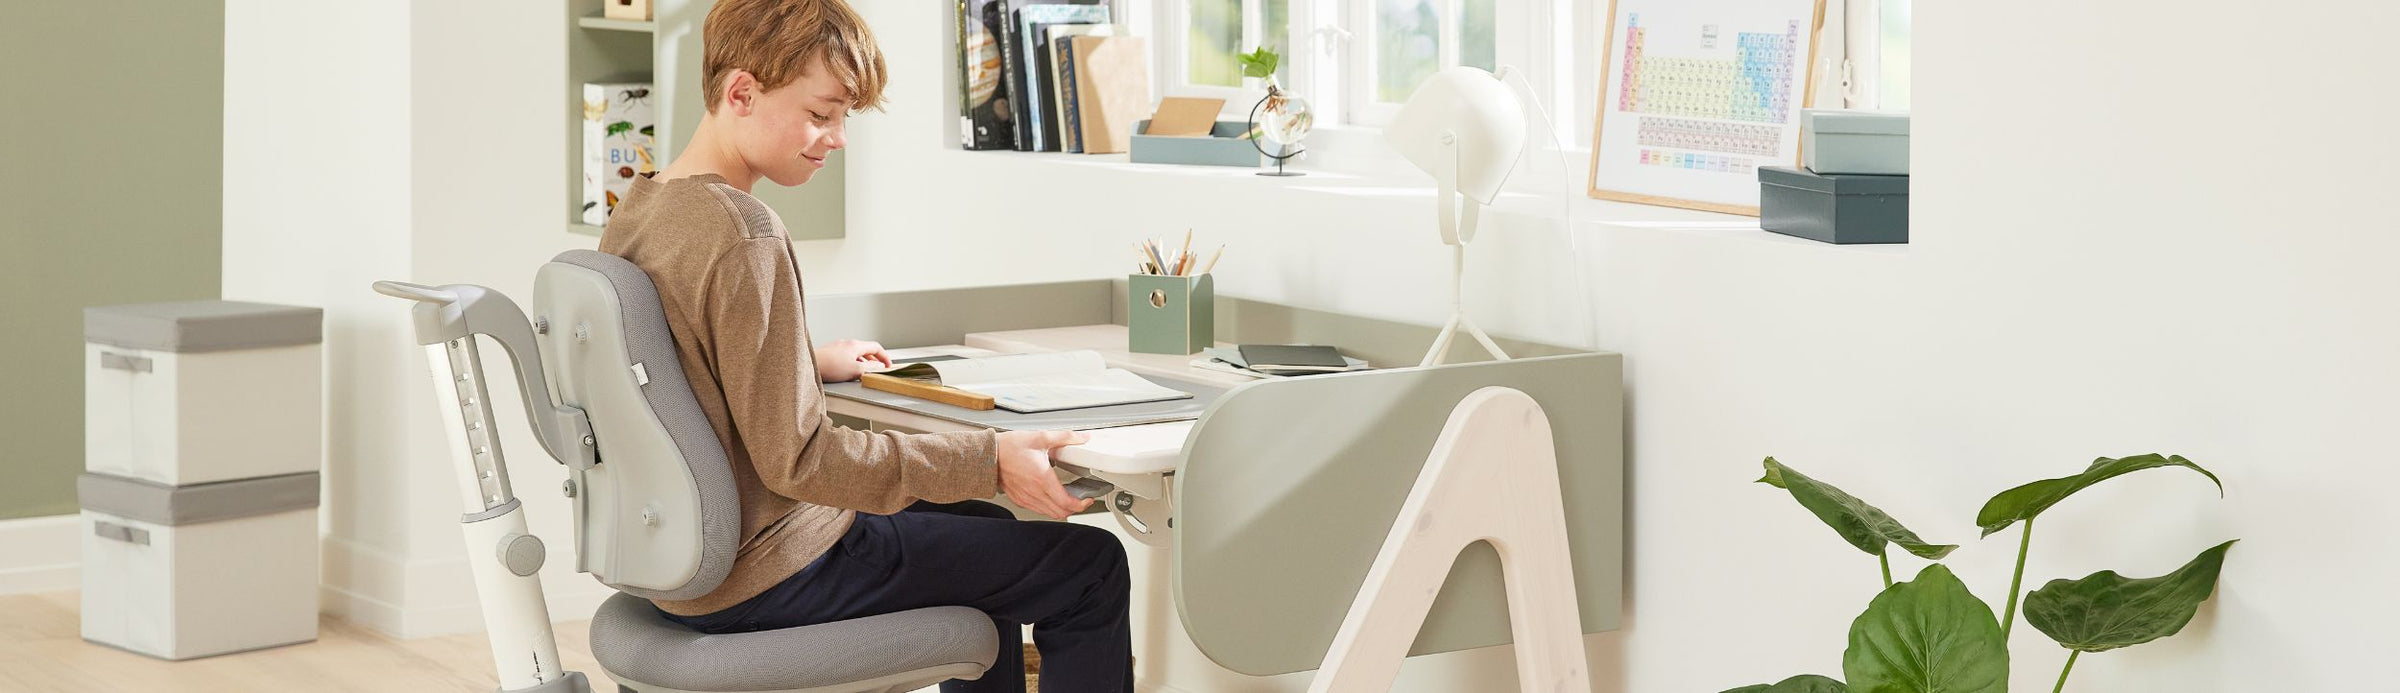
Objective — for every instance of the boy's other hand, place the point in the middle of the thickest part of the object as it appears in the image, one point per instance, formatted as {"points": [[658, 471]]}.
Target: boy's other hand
{"points": [[1026, 476], [844, 360]]}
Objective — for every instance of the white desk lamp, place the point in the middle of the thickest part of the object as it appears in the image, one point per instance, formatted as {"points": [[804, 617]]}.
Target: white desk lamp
{"points": [[1466, 128]]}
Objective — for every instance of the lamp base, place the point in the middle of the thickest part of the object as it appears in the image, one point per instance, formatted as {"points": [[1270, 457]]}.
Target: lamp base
{"points": [[1282, 174]]}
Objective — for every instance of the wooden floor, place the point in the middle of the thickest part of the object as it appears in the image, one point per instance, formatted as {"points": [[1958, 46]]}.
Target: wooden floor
{"points": [[42, 649]]}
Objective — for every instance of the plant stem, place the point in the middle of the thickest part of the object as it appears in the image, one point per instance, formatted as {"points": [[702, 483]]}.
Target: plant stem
{"points": [[2062, 673], [1886, 559], [2008, 620]]}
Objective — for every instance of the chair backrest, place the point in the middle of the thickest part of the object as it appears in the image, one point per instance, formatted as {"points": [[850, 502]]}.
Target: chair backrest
{"points": [[658, 516]]}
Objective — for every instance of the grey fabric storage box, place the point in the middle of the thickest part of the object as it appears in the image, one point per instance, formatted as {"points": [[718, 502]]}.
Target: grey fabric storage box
{"points": [[201, 391], [1843, 209], [1222, 147], [178, 572], [1855, 142], [202, 326]]}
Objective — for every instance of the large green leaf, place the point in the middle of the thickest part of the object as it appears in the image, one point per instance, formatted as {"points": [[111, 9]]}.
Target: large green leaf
{"points": [[1928, 635], [1861, 524], [2024, 502], [2106, 611], [1804, 683]]}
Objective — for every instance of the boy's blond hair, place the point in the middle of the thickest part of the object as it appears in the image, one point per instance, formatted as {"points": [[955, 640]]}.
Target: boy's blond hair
{"points": [[777, 40]]}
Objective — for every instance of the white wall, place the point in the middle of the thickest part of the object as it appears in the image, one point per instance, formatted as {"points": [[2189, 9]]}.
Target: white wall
{"points": [[414, 141], [317, 136], [2127, 242]]}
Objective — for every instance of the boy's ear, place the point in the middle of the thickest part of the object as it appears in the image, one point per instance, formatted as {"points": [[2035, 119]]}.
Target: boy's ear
{"points": [[741, 92]]}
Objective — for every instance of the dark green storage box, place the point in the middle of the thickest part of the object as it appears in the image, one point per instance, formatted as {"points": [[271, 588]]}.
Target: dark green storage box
{"points": [[1843, 209]]}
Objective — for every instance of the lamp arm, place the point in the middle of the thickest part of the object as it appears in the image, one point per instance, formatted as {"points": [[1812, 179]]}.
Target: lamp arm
{"points": [[1446, 192]]}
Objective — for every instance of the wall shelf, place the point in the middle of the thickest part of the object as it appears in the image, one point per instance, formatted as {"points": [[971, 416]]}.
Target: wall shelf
{"points": [[597, 22], [666, 52]]}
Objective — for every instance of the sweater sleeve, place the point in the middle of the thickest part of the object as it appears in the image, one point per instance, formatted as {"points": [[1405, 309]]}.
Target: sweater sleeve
{"points": [[767, 366]]}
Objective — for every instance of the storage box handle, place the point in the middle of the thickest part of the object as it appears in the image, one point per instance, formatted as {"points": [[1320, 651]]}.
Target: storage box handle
{"points": [[122, 362], [124, 533]]}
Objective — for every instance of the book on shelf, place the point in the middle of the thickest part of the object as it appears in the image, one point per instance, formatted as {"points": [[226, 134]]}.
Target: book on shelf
{"points": [[1029, 383], [618, 127], [1038, 121], [1062, 79], [1112, 90], [984, 119]]}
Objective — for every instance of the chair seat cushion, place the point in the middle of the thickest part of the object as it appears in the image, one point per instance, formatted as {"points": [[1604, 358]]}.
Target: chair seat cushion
{"points": [[633, 640]]}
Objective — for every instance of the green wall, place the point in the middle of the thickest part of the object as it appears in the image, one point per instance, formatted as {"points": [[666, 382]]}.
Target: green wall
{"points": [[113, 113]]}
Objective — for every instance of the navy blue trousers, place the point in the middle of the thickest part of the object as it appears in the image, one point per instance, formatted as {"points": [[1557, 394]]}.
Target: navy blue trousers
{"points": [[1068, 580]]}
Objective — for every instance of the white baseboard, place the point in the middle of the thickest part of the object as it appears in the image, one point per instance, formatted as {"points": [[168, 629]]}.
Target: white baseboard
{"points": [[41, 554], [429, 597]]}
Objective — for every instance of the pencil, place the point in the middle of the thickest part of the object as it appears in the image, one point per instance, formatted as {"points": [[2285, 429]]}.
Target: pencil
{"points": [[1212, 259], [1183, 258]]}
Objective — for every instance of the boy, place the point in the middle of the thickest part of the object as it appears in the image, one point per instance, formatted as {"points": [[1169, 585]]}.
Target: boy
{"points": [[840, 523]]}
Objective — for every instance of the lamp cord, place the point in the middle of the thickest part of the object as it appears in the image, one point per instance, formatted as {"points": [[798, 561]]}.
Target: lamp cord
{"points": [[1566, 208]]}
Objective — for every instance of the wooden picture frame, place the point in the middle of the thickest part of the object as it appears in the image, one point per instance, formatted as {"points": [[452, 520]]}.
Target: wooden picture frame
{"points": [[1723, 137]]}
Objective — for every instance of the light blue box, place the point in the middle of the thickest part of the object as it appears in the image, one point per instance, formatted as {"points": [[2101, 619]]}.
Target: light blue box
{"points": [[1223, 147], [1855, 142]]}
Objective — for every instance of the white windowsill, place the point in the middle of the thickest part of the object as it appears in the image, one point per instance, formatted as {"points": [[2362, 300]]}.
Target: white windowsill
{"points": [[1390, 177]]}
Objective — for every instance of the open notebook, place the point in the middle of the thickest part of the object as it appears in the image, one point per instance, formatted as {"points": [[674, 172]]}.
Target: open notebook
{"points": [[1032, 383]]}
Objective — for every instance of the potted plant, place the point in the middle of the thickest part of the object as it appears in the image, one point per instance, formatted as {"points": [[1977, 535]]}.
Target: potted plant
{"points": [[1930, 635]]}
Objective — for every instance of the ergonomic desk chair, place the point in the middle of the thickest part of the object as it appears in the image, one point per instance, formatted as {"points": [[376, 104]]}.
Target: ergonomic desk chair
{"points": [[656, 514]]}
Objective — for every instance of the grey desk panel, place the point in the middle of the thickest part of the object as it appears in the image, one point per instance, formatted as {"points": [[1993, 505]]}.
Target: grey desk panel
{"points": [[1289, 487], [946, 316], [1063, 420]]}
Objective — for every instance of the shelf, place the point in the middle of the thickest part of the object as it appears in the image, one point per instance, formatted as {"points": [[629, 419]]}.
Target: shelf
{"points": [[583, 228], [616, 24]]}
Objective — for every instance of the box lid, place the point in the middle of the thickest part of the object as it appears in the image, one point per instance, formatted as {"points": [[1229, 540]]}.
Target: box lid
{"points": [[1844, 122], [198, 326], [1833, 184], [175, 506]]}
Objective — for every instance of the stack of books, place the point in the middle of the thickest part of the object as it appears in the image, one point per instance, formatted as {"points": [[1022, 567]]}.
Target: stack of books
{"points": [[1048, 76], [1277, 360]]}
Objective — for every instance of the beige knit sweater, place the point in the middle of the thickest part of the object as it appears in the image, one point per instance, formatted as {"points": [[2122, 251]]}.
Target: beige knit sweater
{"points": [[732, 294]]}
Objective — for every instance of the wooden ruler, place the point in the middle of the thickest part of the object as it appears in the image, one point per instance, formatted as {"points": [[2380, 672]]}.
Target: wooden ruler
{"points": [[927, 390]]}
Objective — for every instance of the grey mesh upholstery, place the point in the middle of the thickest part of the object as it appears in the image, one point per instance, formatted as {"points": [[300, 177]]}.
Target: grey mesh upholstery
{"points": [[903, 651], [664, 462]]}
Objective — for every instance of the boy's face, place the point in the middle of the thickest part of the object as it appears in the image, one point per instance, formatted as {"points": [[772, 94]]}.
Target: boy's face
{"points": [[788, 131]]}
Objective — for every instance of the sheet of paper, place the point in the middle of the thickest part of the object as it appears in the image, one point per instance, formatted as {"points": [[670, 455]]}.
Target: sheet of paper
{"points": [[1074, 390], [968, 374]]}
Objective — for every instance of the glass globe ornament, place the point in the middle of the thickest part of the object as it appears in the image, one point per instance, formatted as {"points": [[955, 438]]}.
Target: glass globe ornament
{"points": [[1282, 119]]}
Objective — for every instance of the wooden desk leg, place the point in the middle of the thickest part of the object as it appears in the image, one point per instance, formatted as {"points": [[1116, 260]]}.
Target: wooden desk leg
{"points": [[1492, 476]]}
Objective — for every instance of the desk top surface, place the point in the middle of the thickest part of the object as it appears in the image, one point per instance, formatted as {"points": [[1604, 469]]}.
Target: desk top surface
{"points": [[1143, 449]]}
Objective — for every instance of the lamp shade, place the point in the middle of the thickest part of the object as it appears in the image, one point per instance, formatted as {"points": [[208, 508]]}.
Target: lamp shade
{"points": [[1464, 124]]}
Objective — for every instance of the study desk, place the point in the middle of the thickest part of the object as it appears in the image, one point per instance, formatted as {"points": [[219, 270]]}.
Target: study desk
{"points": [[1263, 515]]}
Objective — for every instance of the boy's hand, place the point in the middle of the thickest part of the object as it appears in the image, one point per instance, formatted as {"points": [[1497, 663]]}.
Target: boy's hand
{"points": [[842, 361], [1025, 472]]}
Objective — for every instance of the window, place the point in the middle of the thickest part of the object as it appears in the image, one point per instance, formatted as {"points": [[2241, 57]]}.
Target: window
{"points": [[1204, 36], [1397, 44], [1356, 61]]}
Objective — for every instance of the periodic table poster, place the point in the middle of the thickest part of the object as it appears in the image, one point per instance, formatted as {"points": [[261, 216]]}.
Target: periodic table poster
{"points": [[1698, 95]]}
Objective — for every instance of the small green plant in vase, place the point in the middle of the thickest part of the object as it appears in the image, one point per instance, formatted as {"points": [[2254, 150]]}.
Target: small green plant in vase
{"points": [[1280, 118], [1930, 635]]}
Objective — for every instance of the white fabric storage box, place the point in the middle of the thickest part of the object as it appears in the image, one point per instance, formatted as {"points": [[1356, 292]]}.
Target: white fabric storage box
{"points": [[202, 391], [193, 571]]}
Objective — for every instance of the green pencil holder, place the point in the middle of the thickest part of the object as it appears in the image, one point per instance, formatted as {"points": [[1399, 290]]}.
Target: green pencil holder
{"points": [[1170, 315]]}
